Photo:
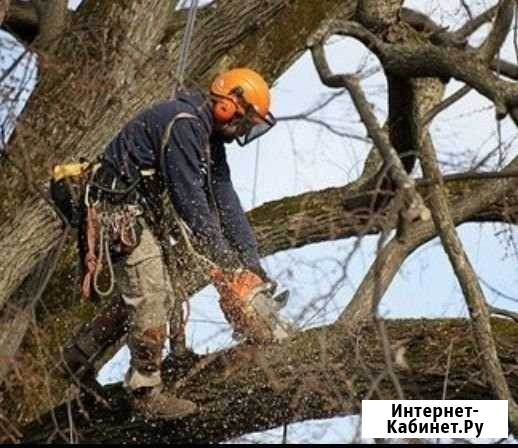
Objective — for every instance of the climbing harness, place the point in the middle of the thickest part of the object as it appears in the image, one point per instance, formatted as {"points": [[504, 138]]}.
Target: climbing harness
{"points": [[105, 212]]}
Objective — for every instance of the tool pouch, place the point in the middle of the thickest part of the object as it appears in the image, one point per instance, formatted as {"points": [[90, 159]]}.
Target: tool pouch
{"points": [[67, 188]]}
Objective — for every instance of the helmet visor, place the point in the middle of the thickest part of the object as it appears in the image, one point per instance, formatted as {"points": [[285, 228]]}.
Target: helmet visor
{"points": [[256, 126]]}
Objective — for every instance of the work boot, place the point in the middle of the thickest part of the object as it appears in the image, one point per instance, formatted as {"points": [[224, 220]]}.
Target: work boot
{"points": [[156, 402]]}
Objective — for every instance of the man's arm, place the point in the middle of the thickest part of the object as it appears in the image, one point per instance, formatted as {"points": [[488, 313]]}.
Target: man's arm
{"points": [[185, 182], [236, 228]]}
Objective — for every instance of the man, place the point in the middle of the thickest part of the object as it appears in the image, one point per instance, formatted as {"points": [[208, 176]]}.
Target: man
{"points": [[178, 146]]}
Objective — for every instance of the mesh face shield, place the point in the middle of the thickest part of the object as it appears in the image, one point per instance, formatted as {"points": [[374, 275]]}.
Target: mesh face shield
{"points": [[252, 125]]}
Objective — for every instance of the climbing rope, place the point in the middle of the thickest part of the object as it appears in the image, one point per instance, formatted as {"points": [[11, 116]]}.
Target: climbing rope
{"points": [[104, 252], [186, 44]]}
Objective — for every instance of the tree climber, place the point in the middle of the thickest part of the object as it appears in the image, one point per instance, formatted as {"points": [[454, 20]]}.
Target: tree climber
{"points": [[178, 146]]}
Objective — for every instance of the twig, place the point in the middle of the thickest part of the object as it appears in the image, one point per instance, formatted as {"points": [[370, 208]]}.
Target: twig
{"points": [[501, 312], [14, 64], [498, 292], [467, 9], [453, 98], [326, 125], [448, 364]]}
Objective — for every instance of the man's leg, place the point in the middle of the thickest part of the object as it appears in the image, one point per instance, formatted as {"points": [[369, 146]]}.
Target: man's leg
{"points": [[146, 289], [92, 340]]}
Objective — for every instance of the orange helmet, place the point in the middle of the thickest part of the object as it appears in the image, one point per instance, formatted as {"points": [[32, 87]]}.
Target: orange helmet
{"points": [[247, 83], [243, 92]]}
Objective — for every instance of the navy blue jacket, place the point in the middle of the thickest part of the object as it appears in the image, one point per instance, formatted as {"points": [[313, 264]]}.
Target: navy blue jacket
{"points": [[138, 146]]}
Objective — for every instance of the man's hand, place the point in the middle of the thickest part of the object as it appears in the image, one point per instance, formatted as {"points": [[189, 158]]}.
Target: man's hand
{"points": [[249, 305]]}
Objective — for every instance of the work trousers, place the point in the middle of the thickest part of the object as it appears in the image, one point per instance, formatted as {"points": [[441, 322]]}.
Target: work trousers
{"points": [[146, 289]]}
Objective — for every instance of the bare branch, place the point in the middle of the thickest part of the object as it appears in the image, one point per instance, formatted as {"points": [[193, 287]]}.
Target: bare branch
{"points": [[305, 116], [441, 36], [437, 34], [350, 82], [432, 61], [325, 124], [7, 72], [424, 60], [505, 68], [344, 28], [499, 32], [475, 23], [468, 281], [467, 9], [393, 254], [453, 98], [314, 108], [501, 312]]}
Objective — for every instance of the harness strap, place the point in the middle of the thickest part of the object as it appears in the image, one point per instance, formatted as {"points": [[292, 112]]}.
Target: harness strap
{"points": [[90, 259], [104, 251], [181, 225]]}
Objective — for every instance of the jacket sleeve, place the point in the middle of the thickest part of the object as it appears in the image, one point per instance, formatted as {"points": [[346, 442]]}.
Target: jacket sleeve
{"points": [[236, 228], [185, 179]]}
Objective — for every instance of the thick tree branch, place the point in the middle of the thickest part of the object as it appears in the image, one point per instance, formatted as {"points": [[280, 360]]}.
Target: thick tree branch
{"points": [[499, 31], [321, 373], [392, 256], [429, 60], [4, 6], [21, 20], [101, 114], [435, 32], [426, 60], [128, 66], [325, 215], [468, 281], [439, 35], [52, 15]]}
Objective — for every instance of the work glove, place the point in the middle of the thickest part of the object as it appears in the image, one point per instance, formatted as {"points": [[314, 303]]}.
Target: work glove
{"points": [[250, 306]]}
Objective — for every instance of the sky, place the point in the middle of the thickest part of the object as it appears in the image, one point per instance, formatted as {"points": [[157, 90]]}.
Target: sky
{"points": [[297, 157]]}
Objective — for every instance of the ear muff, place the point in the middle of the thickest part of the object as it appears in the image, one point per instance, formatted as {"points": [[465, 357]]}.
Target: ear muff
{"points": [[224, 110]]}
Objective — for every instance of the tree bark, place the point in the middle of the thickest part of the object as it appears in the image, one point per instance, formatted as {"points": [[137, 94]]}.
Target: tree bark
{"points": [[4, 6], [322, 373]]}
